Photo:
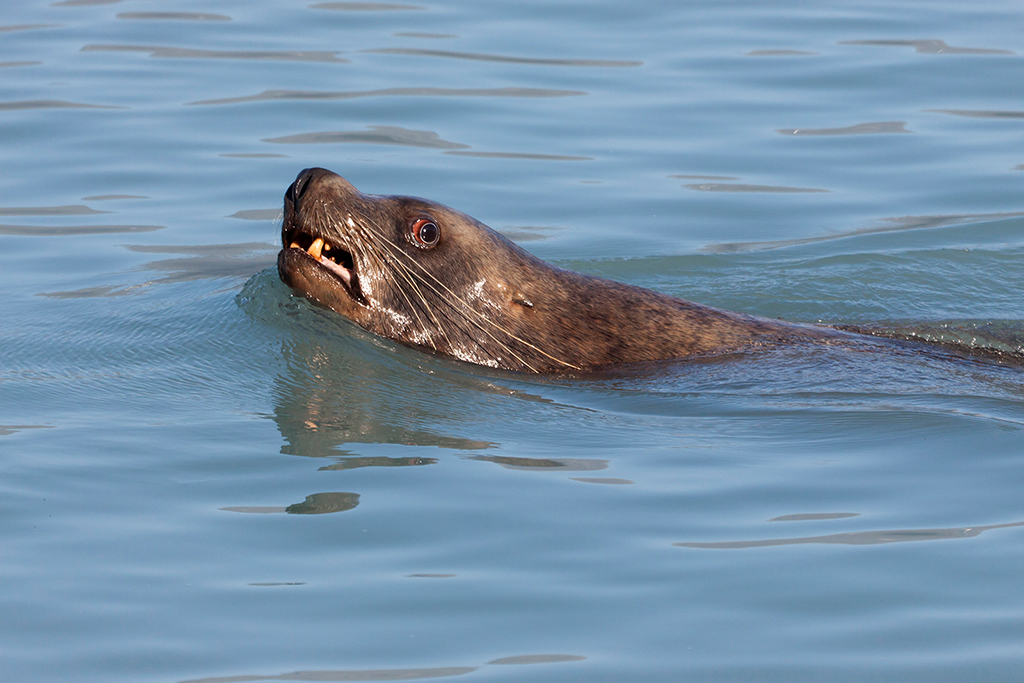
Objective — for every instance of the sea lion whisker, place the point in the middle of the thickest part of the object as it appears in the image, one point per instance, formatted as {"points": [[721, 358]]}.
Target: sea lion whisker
{"points": [[398, 269], [393, 249], [464, 309], [426, 305], [396, 250], [412, 308], [409, 276]]}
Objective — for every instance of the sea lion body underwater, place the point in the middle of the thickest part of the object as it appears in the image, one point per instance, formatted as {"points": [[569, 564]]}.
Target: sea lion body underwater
{"points": [[430, 277]]}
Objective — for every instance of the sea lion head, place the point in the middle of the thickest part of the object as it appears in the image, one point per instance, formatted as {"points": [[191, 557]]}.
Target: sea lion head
{"points": [[411, 270]]}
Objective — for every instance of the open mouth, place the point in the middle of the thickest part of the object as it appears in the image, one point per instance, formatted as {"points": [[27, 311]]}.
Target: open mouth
{"points": [[333, 258]]}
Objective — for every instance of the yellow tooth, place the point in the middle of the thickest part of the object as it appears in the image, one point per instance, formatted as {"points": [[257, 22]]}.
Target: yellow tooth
{"points": [[327, 247], [293, 245], [314, 249]]}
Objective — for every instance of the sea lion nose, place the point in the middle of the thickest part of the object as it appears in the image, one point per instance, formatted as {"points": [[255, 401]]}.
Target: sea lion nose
{"points": [[298, 188], [303, 182]]}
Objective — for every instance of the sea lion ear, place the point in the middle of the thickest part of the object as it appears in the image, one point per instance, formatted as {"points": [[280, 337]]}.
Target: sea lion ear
{"points": [[424, 233], [522, 300]]}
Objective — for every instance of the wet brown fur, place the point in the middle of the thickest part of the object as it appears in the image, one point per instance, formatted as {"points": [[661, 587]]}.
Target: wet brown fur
{"points": [[478, 297]]}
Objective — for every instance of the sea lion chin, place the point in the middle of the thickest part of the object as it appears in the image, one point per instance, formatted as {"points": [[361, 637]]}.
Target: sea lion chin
{"points": [[430, 277]]}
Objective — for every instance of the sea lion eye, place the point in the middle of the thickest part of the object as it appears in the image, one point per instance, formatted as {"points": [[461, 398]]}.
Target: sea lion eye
{"points": [[425, 233]]}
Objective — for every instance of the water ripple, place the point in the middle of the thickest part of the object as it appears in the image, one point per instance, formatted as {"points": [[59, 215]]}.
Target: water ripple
{"points": [[521, 155], [930, 47], [26, 27], [859, 537], [740, 187], [85, 3], [894, 224], [980, 113], [49, 104], [187, 53], [395, 92], [859, 129], [378, 135], [503, 58], [63, 230], [70, 210], [173, 16], [365, 7]]}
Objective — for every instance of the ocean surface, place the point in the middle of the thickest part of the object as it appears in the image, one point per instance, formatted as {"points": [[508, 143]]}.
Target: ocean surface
{"points": [[205, 478]]}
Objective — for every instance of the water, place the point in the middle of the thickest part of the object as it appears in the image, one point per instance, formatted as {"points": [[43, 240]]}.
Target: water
{"points": [[204, 478]]}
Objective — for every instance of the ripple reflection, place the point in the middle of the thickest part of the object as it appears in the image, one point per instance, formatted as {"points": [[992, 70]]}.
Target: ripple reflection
{"points": [[315, 504], [544, 464]]}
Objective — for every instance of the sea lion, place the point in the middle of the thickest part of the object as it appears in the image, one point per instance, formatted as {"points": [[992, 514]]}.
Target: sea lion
{"points": [[430, 277]]}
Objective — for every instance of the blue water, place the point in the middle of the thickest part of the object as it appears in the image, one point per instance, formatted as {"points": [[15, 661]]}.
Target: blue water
{"points": [[203, 478]]}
